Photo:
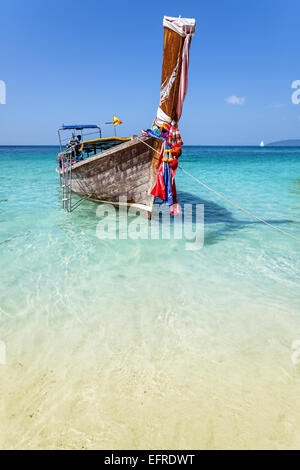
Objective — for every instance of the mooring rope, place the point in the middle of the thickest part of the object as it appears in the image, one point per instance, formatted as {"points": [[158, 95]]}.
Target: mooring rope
{"points": [[239, 207], [228, 200]]}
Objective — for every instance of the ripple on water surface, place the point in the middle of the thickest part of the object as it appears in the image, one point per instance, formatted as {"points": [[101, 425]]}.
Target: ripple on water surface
{"points": [[143, 344]]}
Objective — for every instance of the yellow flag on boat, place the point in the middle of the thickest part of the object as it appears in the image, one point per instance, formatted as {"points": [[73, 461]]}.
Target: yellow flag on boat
{"points": [[116, 121]]}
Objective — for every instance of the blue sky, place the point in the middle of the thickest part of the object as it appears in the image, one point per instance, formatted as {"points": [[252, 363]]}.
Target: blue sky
{"points": [[82, 61]]}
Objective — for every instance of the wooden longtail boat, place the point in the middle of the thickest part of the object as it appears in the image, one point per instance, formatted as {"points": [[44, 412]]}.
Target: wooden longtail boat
{"points": [[105, 169]]}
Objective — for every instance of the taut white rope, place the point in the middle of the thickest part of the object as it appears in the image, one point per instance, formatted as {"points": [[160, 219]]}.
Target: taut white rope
{"points": [[229, 201], [239, 207]]}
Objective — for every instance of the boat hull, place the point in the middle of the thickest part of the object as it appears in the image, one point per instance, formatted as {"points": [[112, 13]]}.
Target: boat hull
{"points": [[128, 171]]}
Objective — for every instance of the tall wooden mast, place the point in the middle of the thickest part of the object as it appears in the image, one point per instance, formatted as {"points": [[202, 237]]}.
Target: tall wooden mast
{"points": [[177, 36]]}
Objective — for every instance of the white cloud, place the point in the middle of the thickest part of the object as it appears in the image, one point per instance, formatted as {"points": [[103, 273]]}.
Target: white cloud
{"points": [[235, 100]]}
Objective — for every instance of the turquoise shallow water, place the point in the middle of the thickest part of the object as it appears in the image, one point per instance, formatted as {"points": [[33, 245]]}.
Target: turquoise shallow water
{"points": [[142, 343]]}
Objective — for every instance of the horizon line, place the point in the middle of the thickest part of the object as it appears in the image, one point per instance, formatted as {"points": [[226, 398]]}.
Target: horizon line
{"points": [[185, 145]]}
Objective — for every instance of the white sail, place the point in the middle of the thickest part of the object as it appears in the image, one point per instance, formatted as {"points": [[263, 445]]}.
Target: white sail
{"points": [[262, 144]]}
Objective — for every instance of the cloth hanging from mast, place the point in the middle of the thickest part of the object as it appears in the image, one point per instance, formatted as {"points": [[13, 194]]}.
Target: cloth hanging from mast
{"points": [[177, 37], [178, 33]]}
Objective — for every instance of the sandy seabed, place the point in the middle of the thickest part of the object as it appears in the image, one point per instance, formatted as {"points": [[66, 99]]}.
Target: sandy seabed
{"points": [[81, 386]]}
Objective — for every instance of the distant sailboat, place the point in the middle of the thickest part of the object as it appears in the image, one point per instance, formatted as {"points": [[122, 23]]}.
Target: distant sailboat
{"points": [[262, 144]]}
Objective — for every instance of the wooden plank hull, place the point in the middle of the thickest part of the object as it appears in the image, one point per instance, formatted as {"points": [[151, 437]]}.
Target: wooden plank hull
{"points": [[128, 170]]}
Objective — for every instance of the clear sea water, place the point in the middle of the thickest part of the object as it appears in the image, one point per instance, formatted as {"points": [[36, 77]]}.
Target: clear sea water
{"points": [[142, 343]]}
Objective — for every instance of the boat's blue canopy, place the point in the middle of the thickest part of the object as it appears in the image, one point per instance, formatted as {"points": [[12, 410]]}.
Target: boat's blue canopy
{"points": [[81, 126], [82, 129]]}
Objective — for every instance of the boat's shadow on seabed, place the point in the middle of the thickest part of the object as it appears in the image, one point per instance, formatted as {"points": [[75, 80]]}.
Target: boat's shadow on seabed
{"points": [[218, 221], [216, 214]]}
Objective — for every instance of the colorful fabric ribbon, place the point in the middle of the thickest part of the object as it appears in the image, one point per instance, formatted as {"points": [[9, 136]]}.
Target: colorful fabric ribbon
{"points": [[174, 137], [165, 187]]}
